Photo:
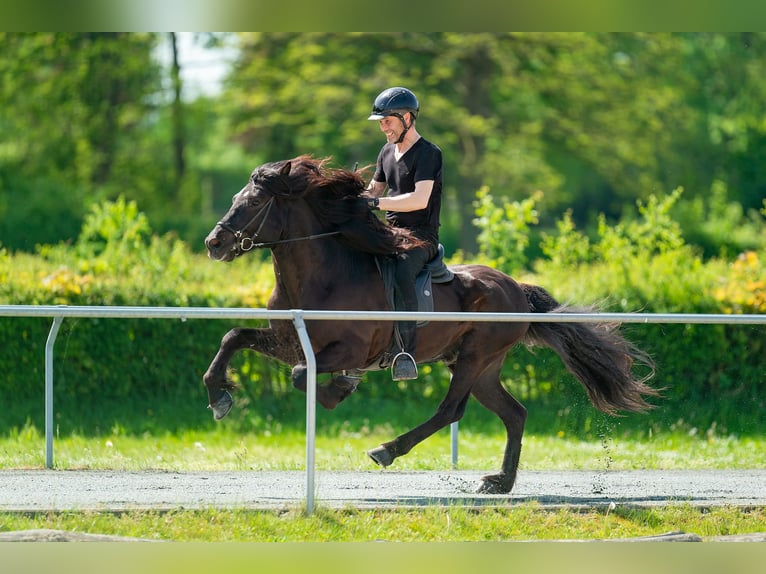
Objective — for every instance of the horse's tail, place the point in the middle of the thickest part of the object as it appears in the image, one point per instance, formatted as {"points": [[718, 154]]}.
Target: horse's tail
{"points": [[595, 353]]}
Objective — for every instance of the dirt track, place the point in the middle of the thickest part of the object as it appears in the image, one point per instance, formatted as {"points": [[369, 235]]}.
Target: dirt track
{"points": [[43, 490]]}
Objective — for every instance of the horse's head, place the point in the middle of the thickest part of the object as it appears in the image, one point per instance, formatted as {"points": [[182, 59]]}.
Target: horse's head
{"points": [[301, 199], [251, 220]]}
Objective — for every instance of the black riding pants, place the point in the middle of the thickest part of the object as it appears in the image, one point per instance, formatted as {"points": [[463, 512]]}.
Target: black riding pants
{"points": [[408, 265]]}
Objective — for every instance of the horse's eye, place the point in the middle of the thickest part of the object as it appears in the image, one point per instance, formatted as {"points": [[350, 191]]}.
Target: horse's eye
{"points": [[252, 200]]}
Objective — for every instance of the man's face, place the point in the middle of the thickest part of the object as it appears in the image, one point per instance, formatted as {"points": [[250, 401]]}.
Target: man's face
{"points": [[392, 127]]}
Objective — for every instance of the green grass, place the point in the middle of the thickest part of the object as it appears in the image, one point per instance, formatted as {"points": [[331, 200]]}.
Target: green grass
{"points": [[223, 448], [175, 433], [522, 522], [272, 437]]}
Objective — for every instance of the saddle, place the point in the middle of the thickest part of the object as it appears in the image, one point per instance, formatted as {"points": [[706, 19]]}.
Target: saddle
{"points": [[435, 271]]}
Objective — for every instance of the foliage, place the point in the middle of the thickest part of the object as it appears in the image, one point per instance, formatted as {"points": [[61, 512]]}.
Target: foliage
{"points": [[718, 225], [745, 289], [114, 233], [504, 234], [643, 259], [92, 87], [643, 263], [118, 261], [712, 373], [76, 122], [595, 120]]}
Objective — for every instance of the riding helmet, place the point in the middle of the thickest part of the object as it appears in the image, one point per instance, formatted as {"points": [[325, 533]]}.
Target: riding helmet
{"points": [[394, 101]]}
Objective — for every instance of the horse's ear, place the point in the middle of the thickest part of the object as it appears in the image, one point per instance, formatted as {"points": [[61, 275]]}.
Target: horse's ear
{"points": [[286, 168]]}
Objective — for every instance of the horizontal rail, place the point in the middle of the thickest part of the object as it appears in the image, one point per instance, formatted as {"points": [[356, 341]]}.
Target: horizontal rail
{"points": [[184, 313], [298, 317]]}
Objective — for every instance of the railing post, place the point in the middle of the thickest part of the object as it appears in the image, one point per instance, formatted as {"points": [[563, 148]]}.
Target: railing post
{"points": [[454, 443], [453, 428], [49, 390], [311, 386]]}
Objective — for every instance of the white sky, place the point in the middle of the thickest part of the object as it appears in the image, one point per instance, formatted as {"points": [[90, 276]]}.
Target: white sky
{"points": [[202, 69]]}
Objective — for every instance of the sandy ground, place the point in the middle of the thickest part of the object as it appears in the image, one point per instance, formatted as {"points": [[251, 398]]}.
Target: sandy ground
{"points": [[43, 490]]}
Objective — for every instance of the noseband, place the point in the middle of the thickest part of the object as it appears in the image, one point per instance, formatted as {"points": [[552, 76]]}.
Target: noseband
{"points": [[245, 243]]}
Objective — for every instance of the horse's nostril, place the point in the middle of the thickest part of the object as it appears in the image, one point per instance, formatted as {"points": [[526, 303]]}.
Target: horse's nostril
{"points": [[213, 243]]}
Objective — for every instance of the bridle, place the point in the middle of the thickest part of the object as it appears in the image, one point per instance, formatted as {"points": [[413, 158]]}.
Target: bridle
{"points": [[245, 243]]}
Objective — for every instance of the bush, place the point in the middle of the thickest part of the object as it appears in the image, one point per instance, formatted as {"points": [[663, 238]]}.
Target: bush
{"points": [[720, 227], [38, 211], [118, 261], [712, 373]]}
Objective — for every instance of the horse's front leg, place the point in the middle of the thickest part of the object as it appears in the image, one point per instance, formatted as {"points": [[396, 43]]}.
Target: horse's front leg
{"points": [[265, 341]]}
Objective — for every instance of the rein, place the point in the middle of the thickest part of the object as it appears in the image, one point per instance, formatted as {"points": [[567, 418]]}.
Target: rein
{"points": [[247, 243], [280, 241]]}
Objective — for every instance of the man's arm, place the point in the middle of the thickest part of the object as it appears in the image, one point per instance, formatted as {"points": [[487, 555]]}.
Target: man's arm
{"points": [[412, 201]]}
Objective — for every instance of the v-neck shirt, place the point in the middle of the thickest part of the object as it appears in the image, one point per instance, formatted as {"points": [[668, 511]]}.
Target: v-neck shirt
{"points": [[421, 162]]}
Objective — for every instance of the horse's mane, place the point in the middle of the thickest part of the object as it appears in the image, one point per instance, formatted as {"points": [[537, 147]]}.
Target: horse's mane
{"points": [[335, 196]]}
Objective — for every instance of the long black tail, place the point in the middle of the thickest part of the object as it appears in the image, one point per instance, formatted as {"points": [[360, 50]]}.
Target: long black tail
{"points": [[595, 353]]}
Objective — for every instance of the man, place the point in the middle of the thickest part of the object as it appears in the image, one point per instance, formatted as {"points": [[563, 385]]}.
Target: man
{"points": [[411, 167]]}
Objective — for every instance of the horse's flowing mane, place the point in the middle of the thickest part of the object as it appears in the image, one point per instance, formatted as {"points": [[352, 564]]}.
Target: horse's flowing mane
{"points": [[335, 196]]}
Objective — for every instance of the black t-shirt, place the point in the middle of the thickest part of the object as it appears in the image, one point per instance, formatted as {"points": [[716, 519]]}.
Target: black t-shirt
{"points": [[423, 161]]}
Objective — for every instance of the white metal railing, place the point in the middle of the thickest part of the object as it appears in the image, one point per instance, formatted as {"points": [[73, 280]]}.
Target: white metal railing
{"points": [[298, 317]]}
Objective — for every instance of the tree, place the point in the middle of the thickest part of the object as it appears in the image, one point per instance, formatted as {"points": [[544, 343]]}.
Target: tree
{"points": [[584, 117], [594, 121], [179, 138], [727, 139], [79, 123], [72, 107]]}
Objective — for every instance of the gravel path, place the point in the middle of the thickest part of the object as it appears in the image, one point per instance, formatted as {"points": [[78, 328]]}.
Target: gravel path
{"points": [[43, 490]]}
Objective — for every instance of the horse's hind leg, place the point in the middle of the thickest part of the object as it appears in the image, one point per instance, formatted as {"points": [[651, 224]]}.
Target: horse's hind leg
{"points": [[491, 394], [336, 358], [450, 410], [328, 395], [465, 373]]}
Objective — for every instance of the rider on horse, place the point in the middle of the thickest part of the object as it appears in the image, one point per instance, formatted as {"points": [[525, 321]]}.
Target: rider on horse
{"points": [[411, 167]]}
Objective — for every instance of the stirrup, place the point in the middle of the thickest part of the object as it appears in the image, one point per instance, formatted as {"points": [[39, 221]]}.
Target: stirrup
{"points": [[403, 367]]}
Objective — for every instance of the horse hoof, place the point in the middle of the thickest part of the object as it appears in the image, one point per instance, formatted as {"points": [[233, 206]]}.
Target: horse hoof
{"points": [[222, 406], [381, 455], [494, 484], [339, 389]]}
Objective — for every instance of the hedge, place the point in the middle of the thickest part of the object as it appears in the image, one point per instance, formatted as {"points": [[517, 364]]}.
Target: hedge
{"points": [[712, 374]]}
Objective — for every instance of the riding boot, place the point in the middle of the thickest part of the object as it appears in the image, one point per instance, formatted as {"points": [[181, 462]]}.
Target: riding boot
{"points": [[403, 366], [408, 265]]}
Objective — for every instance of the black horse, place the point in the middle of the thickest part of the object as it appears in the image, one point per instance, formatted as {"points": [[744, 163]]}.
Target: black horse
{"points": [[324, 242]]}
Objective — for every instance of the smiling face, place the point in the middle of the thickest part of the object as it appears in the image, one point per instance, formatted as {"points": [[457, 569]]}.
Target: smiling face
{"points": [[393, 127]]}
